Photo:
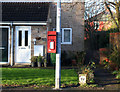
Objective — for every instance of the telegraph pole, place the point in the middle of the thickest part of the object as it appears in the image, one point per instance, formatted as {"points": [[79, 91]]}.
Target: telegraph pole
{"points": [[58, 54]]}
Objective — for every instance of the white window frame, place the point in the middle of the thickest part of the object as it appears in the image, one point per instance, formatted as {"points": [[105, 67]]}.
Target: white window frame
{"points": [[63, 36]]}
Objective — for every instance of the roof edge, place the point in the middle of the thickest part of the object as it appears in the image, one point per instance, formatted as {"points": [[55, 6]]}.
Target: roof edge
{"points": [[23, 23], [34, 1]]}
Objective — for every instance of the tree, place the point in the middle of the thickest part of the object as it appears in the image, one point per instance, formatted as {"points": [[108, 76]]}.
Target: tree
{"points": [[93, 8], [93, 11], [115, 5]]}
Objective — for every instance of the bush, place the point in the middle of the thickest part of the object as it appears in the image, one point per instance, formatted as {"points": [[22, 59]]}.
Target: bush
{"points": [[80, 58], [33, 59], [117, 73], [39, 58], [88, 69], [45, 60], [85, 70], [115, 56]]}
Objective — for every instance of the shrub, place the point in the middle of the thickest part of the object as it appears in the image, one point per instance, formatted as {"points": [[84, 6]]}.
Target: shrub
{"points": [[105, 63], [115, 56], [117, 73], [39, 58], [45, 60], [89, 71], [33, 59], [85, 70], [80, 58], [92, 65]]}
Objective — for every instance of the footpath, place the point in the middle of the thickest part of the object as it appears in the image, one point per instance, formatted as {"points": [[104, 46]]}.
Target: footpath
{"points": [[106, 79]]}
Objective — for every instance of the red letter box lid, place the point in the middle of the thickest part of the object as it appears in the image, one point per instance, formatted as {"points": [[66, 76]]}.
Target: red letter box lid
{"points": [[51, 32]]}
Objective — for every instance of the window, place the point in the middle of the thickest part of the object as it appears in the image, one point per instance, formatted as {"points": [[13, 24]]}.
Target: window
{"points": [[66, 35], [26, 38], [20, 39]]}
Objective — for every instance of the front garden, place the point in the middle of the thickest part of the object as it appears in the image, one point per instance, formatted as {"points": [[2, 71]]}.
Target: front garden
{"points": [[36, 77]]}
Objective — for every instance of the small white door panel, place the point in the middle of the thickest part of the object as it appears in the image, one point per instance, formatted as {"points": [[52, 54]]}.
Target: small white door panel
{"points": [[23, 44]]}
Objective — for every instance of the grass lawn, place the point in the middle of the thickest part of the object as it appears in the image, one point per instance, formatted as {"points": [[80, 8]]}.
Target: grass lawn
{"points": [[35, 76]]}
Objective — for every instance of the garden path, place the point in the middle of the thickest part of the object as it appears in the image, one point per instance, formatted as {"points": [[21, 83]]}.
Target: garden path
{"points": [[105, 79]]}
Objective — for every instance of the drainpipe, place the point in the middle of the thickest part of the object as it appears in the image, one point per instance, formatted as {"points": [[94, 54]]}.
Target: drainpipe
{"points": [[11, 44]]}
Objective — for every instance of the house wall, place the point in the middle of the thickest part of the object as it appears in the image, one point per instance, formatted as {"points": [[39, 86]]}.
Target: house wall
{"points": [[72, 16], [38, 31]]}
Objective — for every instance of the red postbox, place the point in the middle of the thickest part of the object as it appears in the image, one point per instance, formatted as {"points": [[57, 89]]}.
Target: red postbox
{"points": [[51, 41]]}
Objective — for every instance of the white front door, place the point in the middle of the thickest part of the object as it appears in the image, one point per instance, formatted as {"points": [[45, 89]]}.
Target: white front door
{"points": [[23, 44]]}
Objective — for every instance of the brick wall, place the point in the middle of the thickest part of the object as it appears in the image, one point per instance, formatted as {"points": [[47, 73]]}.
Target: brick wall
{"points": [[115, 39], [38, 31], [72, 16]]}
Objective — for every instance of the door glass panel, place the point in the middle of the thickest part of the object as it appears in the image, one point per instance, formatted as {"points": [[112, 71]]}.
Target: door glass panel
{"points": [[3, 44], [26, 38], [20, 38], [66, 35]]}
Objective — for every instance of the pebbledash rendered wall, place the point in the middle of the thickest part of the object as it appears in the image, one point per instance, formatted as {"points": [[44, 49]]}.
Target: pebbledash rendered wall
{"points": [[72, 16]]}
